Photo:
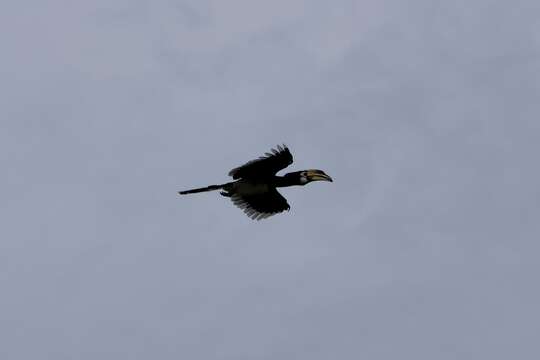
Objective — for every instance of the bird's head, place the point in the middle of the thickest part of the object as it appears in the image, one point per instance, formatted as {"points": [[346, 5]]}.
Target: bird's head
{"points": [[307, 176]]}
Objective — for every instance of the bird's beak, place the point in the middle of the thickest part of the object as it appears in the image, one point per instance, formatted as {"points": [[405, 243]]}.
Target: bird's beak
{"points": [[318, 175]]}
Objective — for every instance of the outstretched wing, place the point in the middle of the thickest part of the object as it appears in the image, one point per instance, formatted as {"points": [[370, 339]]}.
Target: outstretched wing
{"points": [[263, 205], [267, 165]]}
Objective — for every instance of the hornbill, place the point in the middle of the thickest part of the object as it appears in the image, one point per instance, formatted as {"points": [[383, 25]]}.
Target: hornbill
{"points": [[254, 190]]}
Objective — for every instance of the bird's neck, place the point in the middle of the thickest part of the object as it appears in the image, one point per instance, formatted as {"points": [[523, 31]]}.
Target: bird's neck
{"points": [[290, 179]]}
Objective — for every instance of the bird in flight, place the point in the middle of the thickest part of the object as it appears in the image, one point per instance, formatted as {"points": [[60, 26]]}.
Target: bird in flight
{"points": [[254, 190]]}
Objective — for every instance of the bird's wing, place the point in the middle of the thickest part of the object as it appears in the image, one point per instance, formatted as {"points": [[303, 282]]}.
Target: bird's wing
{"points": [[263, 205], [264, 166]]}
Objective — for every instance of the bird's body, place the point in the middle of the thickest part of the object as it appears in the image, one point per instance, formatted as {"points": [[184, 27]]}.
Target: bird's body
{"points": [[246, 187], [254, 190]]}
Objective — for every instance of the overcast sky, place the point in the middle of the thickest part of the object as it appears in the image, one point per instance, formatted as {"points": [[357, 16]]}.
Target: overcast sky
{"points": [[425, 113]]}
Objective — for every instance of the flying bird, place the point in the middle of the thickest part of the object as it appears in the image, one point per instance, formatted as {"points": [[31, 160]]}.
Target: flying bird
{"points": [[255, 188]]}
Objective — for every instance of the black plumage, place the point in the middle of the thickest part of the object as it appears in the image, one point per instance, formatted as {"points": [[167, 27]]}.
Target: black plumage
{"points": [[265, 166], [254, 190]]}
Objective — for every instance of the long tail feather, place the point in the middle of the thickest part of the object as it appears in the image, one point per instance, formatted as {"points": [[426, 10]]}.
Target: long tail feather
{"points": [[198, 190]]}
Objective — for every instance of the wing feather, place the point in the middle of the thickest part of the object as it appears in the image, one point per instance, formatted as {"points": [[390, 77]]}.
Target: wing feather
{"points": [[263, 205], [268, 165]]}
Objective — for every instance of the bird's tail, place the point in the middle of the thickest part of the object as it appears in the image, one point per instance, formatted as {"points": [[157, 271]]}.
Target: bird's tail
{"points": [[198, 190]]}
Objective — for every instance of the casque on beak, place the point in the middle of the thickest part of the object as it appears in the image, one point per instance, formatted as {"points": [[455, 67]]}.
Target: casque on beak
{"points": [[318, 175]]}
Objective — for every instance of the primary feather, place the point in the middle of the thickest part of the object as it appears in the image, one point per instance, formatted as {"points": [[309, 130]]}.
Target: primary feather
{"points": [[268, 165]]}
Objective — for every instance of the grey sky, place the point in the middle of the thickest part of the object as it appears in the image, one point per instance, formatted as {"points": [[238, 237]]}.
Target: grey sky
{"points": [[426, 114]]}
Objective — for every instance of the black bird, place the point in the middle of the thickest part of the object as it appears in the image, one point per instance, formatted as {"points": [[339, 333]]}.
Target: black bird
{"points": [[254, 190]]}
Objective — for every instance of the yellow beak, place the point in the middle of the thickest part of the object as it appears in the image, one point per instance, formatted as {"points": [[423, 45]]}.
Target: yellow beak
{"points": [[318, 175]]}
